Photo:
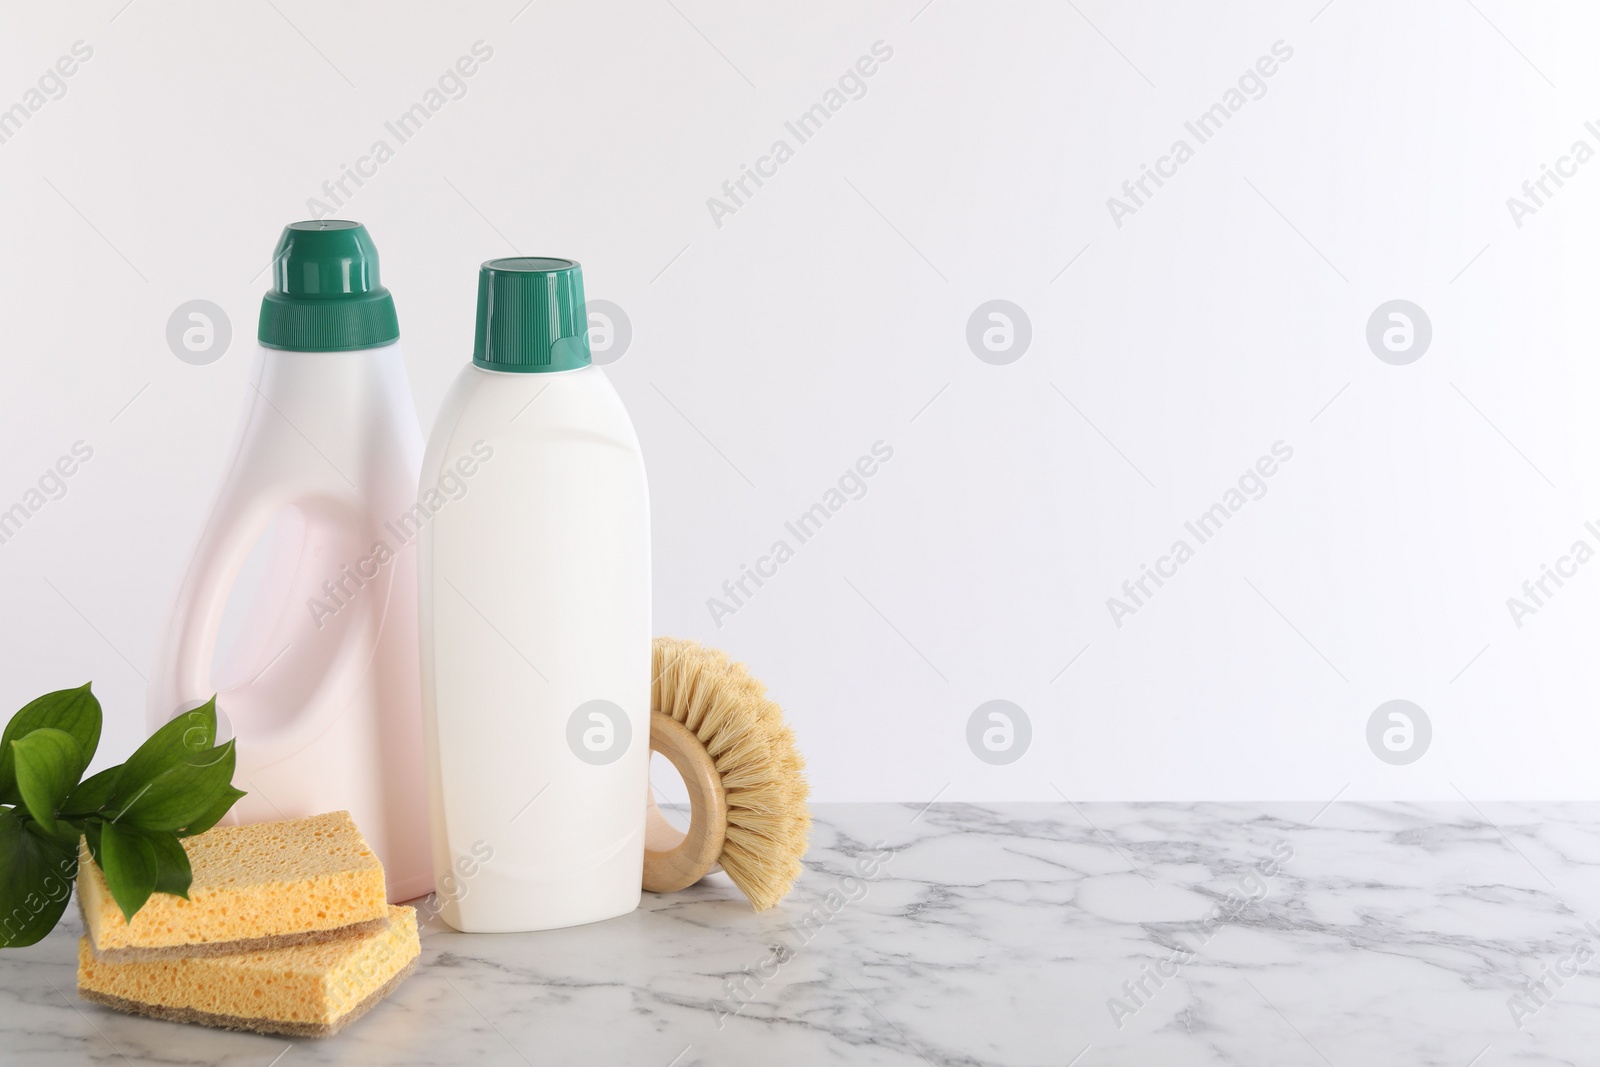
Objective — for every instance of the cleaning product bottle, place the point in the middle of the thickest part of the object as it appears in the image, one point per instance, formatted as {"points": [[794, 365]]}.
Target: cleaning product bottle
{"points": [[535, 605], [324, 695]]}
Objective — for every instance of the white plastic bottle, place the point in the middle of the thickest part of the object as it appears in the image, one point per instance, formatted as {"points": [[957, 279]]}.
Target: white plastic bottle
{"points": [[535, 611], [326, 710]]}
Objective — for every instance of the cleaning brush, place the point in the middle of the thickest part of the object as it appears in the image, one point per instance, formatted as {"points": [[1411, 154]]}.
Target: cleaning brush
{"points": [[747, 789]]}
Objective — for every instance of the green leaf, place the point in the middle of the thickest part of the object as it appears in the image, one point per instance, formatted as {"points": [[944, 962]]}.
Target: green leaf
{"points": [[92, 794], [132, 816], [35, 881], [182, 793], [173, 874], [91, 834], [230, 796], [74, 710], [129, 862], [66, 833], [48, 763], [186, 735]]}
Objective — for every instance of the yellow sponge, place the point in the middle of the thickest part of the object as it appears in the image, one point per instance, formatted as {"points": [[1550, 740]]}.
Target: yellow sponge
{"points": [[306, 990], [270, 885]]}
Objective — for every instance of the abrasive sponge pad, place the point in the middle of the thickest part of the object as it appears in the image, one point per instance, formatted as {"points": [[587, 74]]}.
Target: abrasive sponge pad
{"points": [[270, 885], [305, 990]]}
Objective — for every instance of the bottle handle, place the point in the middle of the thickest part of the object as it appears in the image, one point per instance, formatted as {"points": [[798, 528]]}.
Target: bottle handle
{"points": [[241, 517], [238, 521]]}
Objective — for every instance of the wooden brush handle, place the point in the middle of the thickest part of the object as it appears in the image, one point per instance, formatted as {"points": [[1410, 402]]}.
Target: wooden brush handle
{"points": [[674, 859]]}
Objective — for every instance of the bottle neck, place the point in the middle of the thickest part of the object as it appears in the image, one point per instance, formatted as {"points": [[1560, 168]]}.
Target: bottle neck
{"points": [[315, 384]]}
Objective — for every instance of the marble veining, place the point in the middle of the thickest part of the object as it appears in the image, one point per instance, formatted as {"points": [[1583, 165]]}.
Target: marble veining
{"points": [[1357, 935]]}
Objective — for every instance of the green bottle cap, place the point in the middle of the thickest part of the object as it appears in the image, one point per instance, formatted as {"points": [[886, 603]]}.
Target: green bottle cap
{"points": [[325, 294], [531, 315]]}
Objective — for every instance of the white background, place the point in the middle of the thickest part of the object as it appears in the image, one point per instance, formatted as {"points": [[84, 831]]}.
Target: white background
{"points": [[771, 352]]}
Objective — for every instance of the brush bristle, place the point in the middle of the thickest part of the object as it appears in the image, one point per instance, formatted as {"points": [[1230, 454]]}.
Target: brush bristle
{"points": [[753, 749]]}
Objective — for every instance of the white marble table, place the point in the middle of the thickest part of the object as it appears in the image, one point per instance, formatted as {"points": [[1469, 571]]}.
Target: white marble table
{"points": [[1360, 936]]}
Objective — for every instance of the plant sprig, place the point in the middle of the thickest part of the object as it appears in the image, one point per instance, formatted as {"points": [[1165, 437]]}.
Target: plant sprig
{"points": [[178, 783]]}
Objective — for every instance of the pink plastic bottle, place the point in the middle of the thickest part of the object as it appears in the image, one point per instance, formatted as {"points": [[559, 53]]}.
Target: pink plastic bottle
{"points": [[326, 708]]}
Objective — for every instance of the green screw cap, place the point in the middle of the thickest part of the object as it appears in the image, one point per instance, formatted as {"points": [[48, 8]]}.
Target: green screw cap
{"points": [[325, 294], [531, 315]]}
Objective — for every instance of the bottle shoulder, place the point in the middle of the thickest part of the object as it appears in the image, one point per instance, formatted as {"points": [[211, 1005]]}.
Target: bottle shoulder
{"points": [[355, 408], [576, 404]]}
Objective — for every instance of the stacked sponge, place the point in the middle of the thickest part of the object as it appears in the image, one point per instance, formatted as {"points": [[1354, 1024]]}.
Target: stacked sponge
{"points": [[286, 930]]}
